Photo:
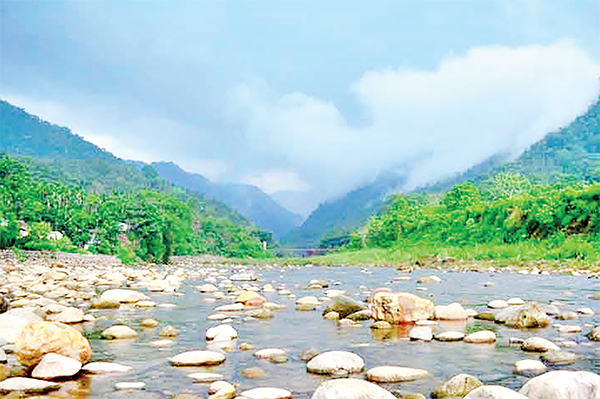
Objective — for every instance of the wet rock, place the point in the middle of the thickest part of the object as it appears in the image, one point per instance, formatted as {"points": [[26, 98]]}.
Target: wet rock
{"points": [[245, 296], [270, 353], [105, 368], [259, 313], [485, 316], [559, 357], [255, 302], [222, 332], [27, 386], [236, 307], [67, 316], [254, 373], [243, 277], [562, 385], [198, 358], [309, 354], [494, 392], [429, 280], [529, 315], [246, 346], [161, 343], [207, 288], [585, 311], [450, 336], [594, 335], [399, 308], [346, 323], [267, 393], [145, 304], [480, 337], [515, 301], [381, 325], [205, 377], [119, 332], [454, 311], [105, 304], [221, 390], [350, 388], [123, 296], [149, 323], [567, 315], [457, 387], [168, 332], [334, 316], [54, 366], [498, 304], [538, 344], [395, 374], [344, 306], [360, 316], [333, 361], [307, 303], [529, 367], [420, 333], [568, 329], [38, 339], [4, 304]]}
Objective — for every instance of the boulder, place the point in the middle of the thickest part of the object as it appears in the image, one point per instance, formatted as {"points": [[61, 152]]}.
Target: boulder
{"points": [[350, 388], [267, 393], [395, 374], [344, 306], [119, 332], [538, 344], [198, 358], [38, 339], [270, 353], [559, 357], [221, 390], [333, 316], [223, 331], [450, 336], [529, 315], [334, 361], [54, 366], [494, 392], [497, 304], [307, 303], [481, 337], [399, 308], [261, 313], [457, 387], [362, 315], [245, 296], [11, 327], [207, 288], [454, 311], [563, 385], [123, 296], [18, 385]]}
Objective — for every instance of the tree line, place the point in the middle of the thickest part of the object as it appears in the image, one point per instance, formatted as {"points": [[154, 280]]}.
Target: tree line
{"points": [[143, 224]]}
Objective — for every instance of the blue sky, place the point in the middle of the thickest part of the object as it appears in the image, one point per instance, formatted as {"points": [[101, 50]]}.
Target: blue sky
{"points": [[315, 97]]}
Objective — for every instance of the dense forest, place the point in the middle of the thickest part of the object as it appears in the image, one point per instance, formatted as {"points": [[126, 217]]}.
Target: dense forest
{"points": [[145, 224], [558, 221]]}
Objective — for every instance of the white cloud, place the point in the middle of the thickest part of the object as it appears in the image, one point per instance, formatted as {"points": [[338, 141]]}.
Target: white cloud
{"points": [[491, 99], [271, 182]]}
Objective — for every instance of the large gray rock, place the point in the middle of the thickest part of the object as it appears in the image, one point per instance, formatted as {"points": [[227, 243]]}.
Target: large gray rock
{"points": [[335, 361], [529, 315], [350, 388], [563, 385], [457, 387], [54, 366], [27, 385], [494, 392], [344, 306]]}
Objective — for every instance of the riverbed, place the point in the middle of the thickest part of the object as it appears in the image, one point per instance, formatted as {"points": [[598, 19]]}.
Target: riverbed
{"points": [[294, 331]]}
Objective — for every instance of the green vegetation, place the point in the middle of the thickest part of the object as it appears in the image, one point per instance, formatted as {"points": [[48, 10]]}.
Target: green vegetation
{"points": [[512, 220], [147, 224]]}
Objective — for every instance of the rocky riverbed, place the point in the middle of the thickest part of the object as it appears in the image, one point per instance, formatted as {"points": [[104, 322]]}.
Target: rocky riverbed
{"points": [[83, 326]]}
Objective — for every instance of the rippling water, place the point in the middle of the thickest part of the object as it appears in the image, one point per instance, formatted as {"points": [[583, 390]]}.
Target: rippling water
{"points": [[295, 331]]}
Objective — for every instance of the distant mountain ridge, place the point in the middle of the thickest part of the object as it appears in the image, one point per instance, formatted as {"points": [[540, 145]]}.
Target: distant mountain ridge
{"points": [[247, 199]]}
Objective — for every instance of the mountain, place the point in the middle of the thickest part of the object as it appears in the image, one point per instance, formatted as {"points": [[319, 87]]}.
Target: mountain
{"points": [[333, 220], [249, 200], [570, 153], [300, 202], [54, 153]]}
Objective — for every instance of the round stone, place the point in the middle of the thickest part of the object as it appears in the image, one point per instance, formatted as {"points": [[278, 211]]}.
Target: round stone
{"points": [[350, 388], [105, 368], [481, 337], [529, 367], [269, 353], [119, 332], [205, 377], [198, 358], [267, 393], [395, 374], [334, 361], [54, 366]]}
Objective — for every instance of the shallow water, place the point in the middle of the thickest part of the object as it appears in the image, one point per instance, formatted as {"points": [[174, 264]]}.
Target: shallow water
{"points": [[295, 331]]}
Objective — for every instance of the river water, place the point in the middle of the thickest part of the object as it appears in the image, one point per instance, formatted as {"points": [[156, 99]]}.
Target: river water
{"points": [[295, 331]]}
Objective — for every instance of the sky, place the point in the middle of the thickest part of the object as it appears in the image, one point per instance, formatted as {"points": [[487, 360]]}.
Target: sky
{"points": [[310, 97]]}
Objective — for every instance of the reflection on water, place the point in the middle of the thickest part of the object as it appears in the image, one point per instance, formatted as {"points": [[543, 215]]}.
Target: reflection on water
{"points": [[296, 331]]}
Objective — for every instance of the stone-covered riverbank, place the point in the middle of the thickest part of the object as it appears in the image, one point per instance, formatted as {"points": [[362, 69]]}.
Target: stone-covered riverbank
{"points": [[58, 312]]}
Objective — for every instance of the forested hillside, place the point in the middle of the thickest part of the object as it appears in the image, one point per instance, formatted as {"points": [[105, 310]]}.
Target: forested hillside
{"points": [[246, 199]]}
